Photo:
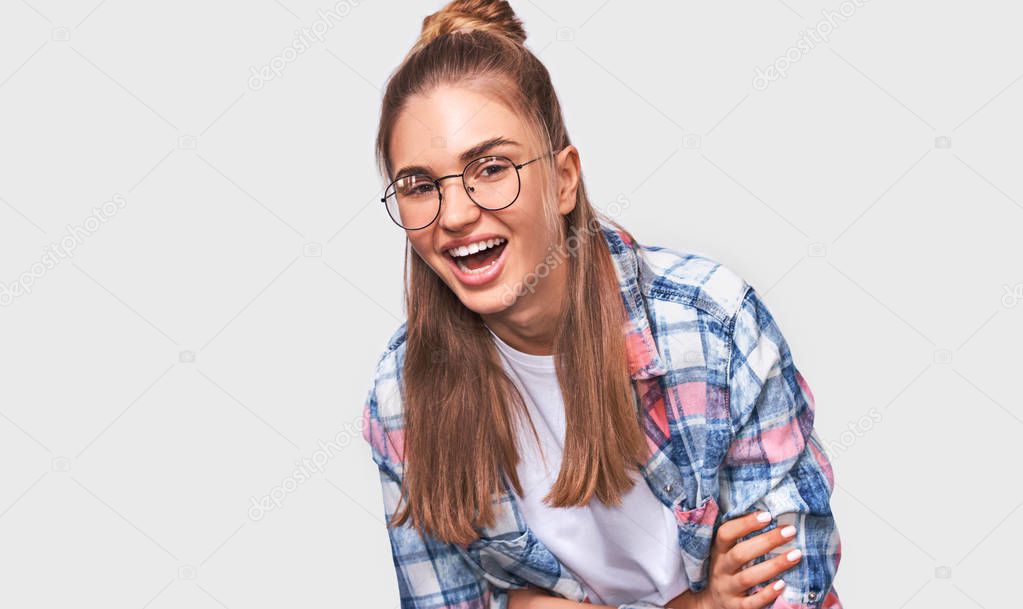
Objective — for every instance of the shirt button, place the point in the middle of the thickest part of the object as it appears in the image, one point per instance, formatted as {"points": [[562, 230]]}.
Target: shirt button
{"points": [[811, 595], [667, 488]]}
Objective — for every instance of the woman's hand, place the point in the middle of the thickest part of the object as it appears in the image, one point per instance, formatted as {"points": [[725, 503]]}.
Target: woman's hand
{"points": [[728, 579], [525, 598]]}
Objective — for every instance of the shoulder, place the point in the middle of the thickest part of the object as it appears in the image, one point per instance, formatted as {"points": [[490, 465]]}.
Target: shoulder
{"points": [[388, 362], [691, 279], [709, 320], [704, 306], [385, 394], [382, 411]]}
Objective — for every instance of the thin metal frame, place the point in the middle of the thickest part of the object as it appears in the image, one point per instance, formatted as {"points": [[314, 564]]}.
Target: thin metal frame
{"points": [[468, 190]]}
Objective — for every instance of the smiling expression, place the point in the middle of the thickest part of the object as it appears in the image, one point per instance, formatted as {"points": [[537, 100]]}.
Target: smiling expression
{"points": [[482, 255]]}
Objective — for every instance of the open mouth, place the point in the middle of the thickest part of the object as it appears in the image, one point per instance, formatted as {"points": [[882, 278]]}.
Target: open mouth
{"points": [[472, 263]]}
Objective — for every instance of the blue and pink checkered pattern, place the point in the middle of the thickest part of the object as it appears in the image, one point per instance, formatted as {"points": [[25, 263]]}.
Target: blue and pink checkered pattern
{"points": [[728, 420]]}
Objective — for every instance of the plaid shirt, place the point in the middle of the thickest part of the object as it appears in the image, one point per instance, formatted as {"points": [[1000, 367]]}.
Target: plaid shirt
{"points": [[729, 426]]}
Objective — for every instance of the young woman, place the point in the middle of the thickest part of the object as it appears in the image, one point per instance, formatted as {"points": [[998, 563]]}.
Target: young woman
{"points": [[568, 416]]}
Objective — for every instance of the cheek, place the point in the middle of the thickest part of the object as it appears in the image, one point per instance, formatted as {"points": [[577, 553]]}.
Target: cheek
{"points": [[421, 245], [532, 245], [529, 227], [530, 198]]}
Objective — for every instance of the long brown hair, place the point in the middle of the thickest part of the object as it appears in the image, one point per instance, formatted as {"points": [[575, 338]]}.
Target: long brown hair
{"points": [[460, 407]]}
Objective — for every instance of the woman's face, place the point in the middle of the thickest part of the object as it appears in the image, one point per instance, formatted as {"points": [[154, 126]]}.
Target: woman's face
{"points": [[437, 134]]}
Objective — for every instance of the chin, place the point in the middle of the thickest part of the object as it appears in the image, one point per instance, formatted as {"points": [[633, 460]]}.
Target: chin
{"points": [[494, 300]]}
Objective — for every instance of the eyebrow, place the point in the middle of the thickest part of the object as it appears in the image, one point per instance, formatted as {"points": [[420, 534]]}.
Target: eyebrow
{"points": [[469, 155]]}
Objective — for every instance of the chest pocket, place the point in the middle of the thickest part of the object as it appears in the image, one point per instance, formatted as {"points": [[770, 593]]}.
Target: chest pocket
{"points": [[695, 534]]}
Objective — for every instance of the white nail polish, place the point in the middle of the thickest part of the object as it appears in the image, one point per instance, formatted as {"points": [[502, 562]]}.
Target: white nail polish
{"points": [[778, 585], [764, 516], [789, 531], [794, 554]]}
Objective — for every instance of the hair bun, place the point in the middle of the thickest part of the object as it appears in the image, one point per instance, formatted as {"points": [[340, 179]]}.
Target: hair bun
{"points": [[467, 15]]}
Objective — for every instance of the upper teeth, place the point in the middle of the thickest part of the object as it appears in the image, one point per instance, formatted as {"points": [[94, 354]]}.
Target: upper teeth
{"points": [[472, 248]]}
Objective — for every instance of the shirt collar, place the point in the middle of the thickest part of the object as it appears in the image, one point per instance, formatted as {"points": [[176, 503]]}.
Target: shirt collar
{"points": [[644, 358]]}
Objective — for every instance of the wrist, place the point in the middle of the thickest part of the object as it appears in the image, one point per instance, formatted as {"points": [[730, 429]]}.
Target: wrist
{"points": [[694, 600]]}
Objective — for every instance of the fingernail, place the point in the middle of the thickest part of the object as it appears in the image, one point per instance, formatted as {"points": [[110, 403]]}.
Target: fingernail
{"points": [[789, 531], [764, 516], [778, 585], [794, 554]]}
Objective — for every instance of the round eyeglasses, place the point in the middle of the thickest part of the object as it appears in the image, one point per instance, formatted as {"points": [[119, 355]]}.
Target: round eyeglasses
{"points": [[492, 182]]}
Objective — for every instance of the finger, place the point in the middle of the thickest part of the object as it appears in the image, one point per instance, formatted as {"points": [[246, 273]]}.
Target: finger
{"points": [[763, 597], [761, 544], [763, 571], [729, 532]]}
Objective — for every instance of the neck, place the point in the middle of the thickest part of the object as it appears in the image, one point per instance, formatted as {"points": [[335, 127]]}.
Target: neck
{"points": [[529, 324]]}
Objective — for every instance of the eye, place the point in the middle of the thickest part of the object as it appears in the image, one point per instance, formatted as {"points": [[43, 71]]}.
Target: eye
{"points": [[422, 188], [491, 169], [414, 186]]}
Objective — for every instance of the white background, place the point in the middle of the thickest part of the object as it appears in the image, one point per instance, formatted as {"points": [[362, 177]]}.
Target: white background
{"points": [[226, 319]]}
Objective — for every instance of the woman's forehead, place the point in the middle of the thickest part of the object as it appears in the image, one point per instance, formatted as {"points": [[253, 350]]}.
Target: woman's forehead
{"points": [[440, 126]]}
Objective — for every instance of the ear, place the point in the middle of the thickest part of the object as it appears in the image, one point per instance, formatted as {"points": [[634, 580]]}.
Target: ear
{"points": [[566, 167]]}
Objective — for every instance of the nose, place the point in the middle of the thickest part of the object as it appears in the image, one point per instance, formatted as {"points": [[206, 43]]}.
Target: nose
{"points": [[457, 210]]}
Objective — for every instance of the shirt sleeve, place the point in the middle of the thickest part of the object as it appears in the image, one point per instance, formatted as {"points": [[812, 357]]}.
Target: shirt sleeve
{"points": [[431, 574], [775, 461]]}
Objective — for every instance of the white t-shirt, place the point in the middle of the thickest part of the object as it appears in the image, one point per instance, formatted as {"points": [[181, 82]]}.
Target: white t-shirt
{"points": [[622, 554]]}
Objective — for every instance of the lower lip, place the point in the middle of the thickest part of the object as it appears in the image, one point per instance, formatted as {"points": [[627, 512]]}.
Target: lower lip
{"points": [[483, 277]]}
